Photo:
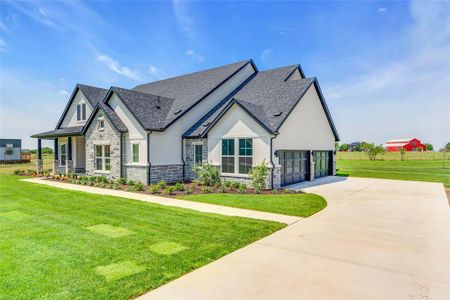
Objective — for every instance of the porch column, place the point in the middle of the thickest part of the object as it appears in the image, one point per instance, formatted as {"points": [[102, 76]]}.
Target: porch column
{"points": [[69, 162], [39, 163], [56, 157], [312, 166]]}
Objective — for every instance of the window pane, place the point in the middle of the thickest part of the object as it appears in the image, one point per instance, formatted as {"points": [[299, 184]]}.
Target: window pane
{"points": [[228, 147], [98, 164], [198, 153], [107, 164], [107, 152], [63, 159], [78, 113], [136, 153], [98, 150], [245, 147], [245, 164], [228, 164], [63, 149], [83, 110]]}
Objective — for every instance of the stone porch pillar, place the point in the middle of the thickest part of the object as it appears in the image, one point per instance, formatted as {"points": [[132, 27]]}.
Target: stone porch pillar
{"points": [[311, 166], [69, 161], [334, 162], [56, 157], [39, 162]]}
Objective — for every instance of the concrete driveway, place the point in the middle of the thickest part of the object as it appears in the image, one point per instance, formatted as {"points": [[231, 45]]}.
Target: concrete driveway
{"points": [[377, 239]]}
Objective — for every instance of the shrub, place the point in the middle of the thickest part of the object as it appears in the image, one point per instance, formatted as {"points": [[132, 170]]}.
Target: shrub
{"points": [[258, 175], [102, 179], [18, 172], [102, 184], [121, 181], [242, 188], [131, 188], [162, 184], [139, 186], [222, 189], [115, 186], [131, 182], [274, 191], [287, 191], [188, 191], [227, 183], [207, 174], [154, 189], [179, 186], [235, 185], [206, 190], [170, 190]]}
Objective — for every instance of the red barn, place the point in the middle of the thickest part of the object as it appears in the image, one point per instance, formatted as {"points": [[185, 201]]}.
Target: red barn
{"points": [[412, 144]]}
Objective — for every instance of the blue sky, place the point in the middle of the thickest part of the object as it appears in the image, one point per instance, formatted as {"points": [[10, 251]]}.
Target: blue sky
{"points": [[384, 67]]}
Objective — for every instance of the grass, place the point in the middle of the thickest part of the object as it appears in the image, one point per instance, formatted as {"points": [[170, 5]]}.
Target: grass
{"points": [[413, 155], [419, 170], [62, 244], [9, 168], [302, 205]]}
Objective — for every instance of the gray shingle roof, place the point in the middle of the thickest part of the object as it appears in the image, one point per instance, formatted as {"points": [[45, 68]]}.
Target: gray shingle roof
{"points": [[113, 117], [264, 96], [150, 110], [92, 93], [185, 91], [69, 131]]}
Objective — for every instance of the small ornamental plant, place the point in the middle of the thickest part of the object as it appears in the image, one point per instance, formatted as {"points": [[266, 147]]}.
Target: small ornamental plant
{"points": [[235, 185], [188, 191], [154, 189], [206, 190], [207, 174], [258, 175], [162, 184], [170, 190], [139, 186], [179, 186], [242, 188]]}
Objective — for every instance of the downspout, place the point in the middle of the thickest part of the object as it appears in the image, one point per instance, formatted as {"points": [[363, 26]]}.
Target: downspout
{"points": [[182, 158], [121, 156], [148, 158], [271, 161]]}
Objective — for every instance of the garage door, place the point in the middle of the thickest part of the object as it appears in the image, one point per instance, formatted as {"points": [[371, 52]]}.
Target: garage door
{"points": [[294, 166], [321, 163]]}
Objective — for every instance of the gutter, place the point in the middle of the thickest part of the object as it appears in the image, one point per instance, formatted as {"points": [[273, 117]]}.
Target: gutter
{"points": [[182, 159], [148, 157], [271, 160]]}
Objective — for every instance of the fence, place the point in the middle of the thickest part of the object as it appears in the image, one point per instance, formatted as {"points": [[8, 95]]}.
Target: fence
{"points": [[428, 155]]}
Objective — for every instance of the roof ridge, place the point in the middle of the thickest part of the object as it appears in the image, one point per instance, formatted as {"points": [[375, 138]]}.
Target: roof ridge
{"points": [[195, 72]]}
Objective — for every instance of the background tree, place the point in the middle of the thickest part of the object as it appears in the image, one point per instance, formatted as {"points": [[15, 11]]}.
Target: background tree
{"points": [[402, 153], [447, 146], [429, 147], [372, 150], [344, 147]]}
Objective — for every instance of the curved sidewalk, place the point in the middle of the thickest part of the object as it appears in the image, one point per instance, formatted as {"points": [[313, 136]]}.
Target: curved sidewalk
{"points": [[203, 207]]}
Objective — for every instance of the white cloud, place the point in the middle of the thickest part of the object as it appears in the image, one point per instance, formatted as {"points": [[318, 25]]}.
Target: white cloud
{"points": [[156, 72], [382, 9], [63, 93], [266, 55], [183, 16], [406, 97], [195, 57], [115, 66]]}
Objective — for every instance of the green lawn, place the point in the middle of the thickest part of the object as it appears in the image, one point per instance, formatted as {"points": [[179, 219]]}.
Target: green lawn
{"points": [[302, 205], [420, 170], [62, 244], [9, 168]]}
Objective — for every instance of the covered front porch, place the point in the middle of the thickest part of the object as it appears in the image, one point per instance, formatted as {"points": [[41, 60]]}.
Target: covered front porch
{"points": [[69, 150]]}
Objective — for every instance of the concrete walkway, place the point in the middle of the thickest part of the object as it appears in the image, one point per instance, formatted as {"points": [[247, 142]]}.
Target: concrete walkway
{"points": [[203, 207], [377, 239]]}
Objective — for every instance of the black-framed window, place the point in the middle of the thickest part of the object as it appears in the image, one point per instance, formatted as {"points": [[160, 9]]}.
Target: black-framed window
{"points": [[198, 153], [228, 156], [245, 155], [135, 153], [81, 112]]}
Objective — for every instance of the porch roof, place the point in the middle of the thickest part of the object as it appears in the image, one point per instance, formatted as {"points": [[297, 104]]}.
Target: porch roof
{"points": [[61, 132]]}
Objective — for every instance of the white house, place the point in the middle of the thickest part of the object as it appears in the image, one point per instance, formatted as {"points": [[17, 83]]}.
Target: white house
{"points": [[233, 117]]}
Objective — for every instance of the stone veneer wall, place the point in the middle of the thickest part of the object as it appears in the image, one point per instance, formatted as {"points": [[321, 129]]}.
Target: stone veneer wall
{"points": [[138, 173], [109, 135], [189, 155], [168, 173]]}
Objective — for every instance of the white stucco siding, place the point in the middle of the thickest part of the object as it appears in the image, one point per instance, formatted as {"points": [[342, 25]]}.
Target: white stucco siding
{"points": [[236, 123], [307, 126], [136, 134], [70, 120], [165, 147]]}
